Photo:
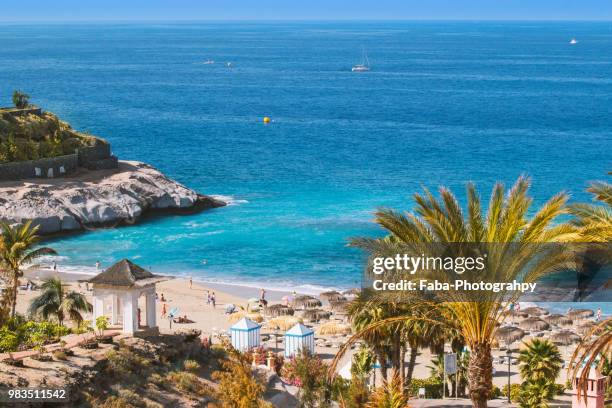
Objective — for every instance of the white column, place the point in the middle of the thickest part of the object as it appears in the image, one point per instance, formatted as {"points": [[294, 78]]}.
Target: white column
{"points": [[151, 310], [115, 309], [98, 308], [130, 312]]}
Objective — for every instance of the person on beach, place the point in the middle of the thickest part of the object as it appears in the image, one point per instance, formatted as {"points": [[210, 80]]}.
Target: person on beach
{"points": [[598, 316], [97, 265], [164, 311], [190, 282], [213, 299], [208, 297], [163, 299], [54, 266]]}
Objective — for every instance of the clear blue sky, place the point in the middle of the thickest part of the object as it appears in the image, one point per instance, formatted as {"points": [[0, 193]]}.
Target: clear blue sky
{"points": [[83, 10]]}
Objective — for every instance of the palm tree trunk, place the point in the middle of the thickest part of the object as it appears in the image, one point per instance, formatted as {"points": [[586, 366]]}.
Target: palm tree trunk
{"points": [[14, 294], [382, 360], [411, 364], [403, 365], [480, 374]]}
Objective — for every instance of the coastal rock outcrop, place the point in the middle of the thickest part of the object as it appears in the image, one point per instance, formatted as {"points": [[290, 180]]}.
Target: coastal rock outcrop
{"points": [[102, 198]]}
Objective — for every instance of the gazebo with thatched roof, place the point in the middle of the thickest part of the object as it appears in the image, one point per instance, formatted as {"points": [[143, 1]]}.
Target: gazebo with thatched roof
{"points": [[124, 282], [534, 323]]}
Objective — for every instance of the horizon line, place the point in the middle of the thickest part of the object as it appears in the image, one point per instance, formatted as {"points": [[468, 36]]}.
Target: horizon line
{"points": [[307, 20]]}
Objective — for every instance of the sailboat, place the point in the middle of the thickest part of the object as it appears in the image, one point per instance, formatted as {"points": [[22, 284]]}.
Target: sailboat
{"points": [[364, 66], [573, 41]]}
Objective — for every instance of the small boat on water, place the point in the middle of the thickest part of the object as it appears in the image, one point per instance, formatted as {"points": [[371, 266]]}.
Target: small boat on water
{"points": [[208, 62], [573, 41], [364, 66]]}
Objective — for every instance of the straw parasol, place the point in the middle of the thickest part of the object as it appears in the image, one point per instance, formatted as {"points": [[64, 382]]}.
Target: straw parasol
{"points": [[565, 337], [314, 315], [535, 311], [234, 317], [515, 314], [579, 314], [283, 322], [332, 328], [558, 320], [339, 306], [279, 310], [534, 323], [585, 328], [352, 292], [306, 302], [331, 296], [509, 334]]}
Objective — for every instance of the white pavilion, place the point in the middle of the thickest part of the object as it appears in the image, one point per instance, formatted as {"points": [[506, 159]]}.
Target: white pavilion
{"points": [[298, 338], [122, 285], [245, 334]]}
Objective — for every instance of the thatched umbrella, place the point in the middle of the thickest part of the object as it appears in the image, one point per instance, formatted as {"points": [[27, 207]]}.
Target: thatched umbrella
{"points": [[234, 317], [331, 296], [314, 315], [535, 311], [558, 320], [331, 328], [339, 306], [279, 310], [585, 328], [352, 292], [565, 337], [534, 323], [579, 314], [509, 334], [283, 322], [306, 302], [515, 314]]}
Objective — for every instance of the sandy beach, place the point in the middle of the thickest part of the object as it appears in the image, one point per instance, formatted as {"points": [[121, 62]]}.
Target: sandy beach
{"points": [[213, 321]]}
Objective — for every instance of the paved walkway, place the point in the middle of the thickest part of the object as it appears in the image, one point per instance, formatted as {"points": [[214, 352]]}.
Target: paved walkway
{"points": [[72, 340], [496, 403]]}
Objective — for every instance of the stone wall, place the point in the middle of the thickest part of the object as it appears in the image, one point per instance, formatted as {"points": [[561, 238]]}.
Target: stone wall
{"points": [[27, 169]]}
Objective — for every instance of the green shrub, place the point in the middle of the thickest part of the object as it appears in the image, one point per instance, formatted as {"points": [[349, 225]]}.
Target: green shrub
{"points": [[188, 382], [515, 389], [191, 365], [126, 364], [496, 392], [433, 387], [9, 340]]}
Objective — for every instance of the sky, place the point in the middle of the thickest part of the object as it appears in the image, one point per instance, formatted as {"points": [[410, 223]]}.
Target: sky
{"points": [[84, 10]]}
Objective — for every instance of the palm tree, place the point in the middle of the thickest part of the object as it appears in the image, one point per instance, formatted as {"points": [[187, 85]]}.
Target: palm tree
{"points": [[16, 251], [514, 242], [540, 360], [390, 395], [20, 99], [589, 353], [595, 220], [54, 301]]}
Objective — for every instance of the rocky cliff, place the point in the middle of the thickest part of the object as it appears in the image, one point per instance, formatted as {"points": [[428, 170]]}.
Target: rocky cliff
{"points": [[91, 199]]}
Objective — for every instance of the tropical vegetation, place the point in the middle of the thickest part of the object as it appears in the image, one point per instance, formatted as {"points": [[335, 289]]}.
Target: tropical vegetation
{"points": [[510, 230], [56, 302], [20, 100], [17, 250], [540, 364], [595, 220], [32, 136]]}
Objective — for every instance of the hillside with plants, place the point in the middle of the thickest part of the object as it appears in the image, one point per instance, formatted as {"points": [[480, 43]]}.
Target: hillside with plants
{"points": [[32, 135]]}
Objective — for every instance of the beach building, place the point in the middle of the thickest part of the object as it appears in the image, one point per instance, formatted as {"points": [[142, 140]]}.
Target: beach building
{"points": [[298, 338], [596, 386], [245, 334], [122, 285]]}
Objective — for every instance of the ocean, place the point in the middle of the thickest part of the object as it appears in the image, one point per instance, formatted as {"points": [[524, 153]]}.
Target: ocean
{"points": [[444, 103]]}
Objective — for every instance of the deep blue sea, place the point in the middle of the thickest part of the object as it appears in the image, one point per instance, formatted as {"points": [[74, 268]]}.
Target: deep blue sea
{"points": [[445, 103]]}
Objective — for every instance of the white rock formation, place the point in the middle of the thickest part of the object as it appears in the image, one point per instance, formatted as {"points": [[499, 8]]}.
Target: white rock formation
{"points": [[97, 198]]}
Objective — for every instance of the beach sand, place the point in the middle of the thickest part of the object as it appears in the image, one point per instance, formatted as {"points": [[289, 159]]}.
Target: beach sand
{"points": [[214, 321]]}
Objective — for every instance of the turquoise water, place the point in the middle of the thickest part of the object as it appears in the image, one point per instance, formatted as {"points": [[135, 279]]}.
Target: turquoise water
{"points": [[445, 103]]}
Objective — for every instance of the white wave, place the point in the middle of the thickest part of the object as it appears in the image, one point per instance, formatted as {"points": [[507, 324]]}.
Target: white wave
{"points": [[230, 200]]}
